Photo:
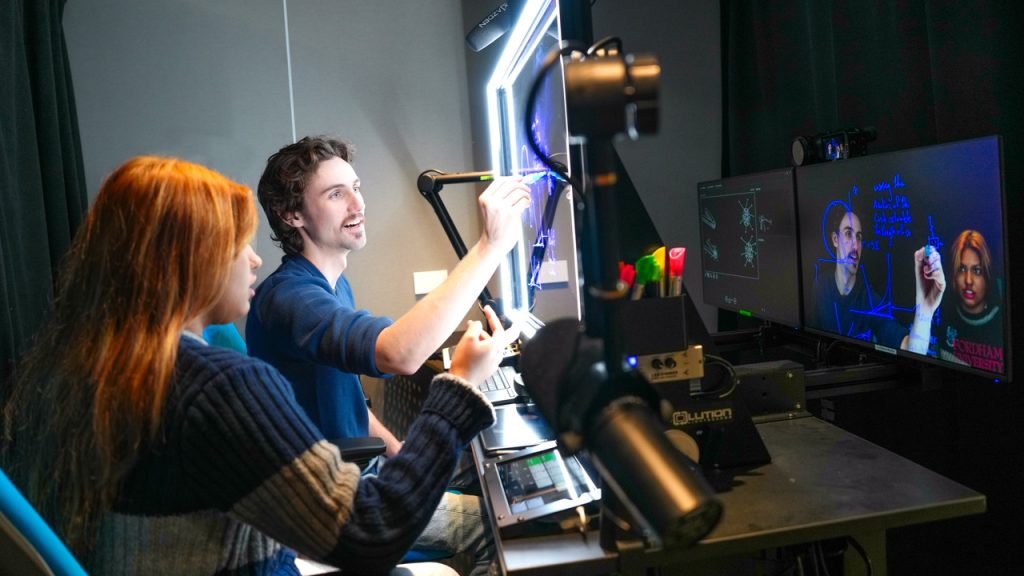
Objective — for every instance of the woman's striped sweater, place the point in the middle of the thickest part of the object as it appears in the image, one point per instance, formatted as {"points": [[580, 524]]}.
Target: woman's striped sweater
{"points": [[240, 477]]}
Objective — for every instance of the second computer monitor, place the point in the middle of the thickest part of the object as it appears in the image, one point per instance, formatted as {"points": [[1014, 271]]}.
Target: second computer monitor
{"points": [[906, 251], [749, 245]]}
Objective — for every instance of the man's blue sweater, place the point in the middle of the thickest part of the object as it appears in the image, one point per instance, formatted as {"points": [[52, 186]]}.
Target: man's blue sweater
{"points": [[312, 332]]}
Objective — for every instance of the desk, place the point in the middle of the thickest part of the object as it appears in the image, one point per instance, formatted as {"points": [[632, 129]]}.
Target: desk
{"points": [[822, 483]]}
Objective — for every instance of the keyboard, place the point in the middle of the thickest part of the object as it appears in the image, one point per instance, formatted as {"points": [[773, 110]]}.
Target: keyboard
{"points": [[500, 387]]}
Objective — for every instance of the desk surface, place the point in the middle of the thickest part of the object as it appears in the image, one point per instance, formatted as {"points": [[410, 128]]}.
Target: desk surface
{"points": [[822, 483]]}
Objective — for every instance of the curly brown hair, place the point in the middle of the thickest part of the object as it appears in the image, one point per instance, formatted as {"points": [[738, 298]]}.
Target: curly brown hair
{"points": [[284, 181]]}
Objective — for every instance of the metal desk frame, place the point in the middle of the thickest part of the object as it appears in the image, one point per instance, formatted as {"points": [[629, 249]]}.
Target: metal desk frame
{"points": [[822, 483]]}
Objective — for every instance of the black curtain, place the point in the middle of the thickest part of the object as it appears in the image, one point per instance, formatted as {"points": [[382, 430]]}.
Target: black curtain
{"points": [[42, 178], [921, 72]]}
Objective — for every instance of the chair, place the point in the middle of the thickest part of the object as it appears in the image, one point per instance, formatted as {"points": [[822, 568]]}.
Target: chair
{"points": [[359, 451], [28, 547], [225, 336]]}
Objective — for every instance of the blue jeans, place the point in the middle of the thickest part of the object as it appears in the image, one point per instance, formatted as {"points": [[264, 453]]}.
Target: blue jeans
{"points": [[458, 533]]}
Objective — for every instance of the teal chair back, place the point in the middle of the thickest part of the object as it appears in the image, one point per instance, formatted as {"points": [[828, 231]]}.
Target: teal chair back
{"points": [[225, 336], [27, 544]]}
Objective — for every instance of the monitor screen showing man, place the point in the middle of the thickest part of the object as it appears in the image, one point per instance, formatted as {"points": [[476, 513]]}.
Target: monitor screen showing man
{"points": [[905, 251]]}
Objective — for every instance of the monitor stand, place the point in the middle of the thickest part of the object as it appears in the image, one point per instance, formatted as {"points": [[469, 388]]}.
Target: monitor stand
{"points": [[710, 419]]}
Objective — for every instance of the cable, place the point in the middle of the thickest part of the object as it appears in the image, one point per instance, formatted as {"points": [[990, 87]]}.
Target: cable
{"points": [[604, 42], [550, 60], [711, 358], [820, 551], [559, 169], [828, 351], [863, 553], [819, 353], [543, 237]]}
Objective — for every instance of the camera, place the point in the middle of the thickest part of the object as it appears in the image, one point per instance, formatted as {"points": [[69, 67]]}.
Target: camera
{"points": [[835, 145]]}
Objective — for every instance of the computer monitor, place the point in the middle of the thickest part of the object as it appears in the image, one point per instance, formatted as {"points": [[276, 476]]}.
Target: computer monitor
{"points": [[540, 275], [867, 224], [749, 245]]}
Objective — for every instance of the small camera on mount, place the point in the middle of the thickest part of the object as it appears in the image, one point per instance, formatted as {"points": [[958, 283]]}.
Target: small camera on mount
{"points": [[836, 145]]}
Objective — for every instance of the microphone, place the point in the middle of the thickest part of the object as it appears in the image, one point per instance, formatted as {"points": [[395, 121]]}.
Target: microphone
{"points": [[614, 417], [431, 181], [494, 25]]}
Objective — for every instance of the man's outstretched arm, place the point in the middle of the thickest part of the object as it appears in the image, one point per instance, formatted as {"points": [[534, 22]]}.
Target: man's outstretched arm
{"points": [[403, 347]]}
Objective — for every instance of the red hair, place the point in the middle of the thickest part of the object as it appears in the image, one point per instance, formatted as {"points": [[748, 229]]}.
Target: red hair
{"points": [[975, 241], [153, 253]]}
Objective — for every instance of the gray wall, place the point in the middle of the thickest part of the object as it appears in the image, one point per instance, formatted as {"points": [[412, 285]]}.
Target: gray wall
{"points": [[208, 81]]}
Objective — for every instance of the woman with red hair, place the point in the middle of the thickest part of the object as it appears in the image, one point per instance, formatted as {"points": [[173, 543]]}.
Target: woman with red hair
{"points": [[974, 323], [151, 452]]}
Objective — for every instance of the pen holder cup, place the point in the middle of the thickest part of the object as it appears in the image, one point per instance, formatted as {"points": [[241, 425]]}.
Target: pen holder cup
{"points": [[653, 325]]}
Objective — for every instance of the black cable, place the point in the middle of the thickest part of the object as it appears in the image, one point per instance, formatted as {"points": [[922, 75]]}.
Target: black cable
{"points": [[821, 557], [604, 42], [543, 238], [553, 57], [828, 351], [722, 391], [559, 169], [863, 553]]}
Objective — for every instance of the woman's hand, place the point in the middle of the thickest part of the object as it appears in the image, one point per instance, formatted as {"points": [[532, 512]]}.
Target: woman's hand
{"points": [[478, 353], [931, 281], [931, 284]]}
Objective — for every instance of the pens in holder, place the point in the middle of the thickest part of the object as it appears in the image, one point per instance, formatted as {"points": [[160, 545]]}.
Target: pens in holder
{"points": [[646, 269], [676, 260], [627, 274], [660, 259], [655, 283]]}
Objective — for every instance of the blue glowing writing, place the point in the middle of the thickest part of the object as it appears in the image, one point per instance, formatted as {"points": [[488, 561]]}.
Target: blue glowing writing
{"points": [[892, 211]]}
